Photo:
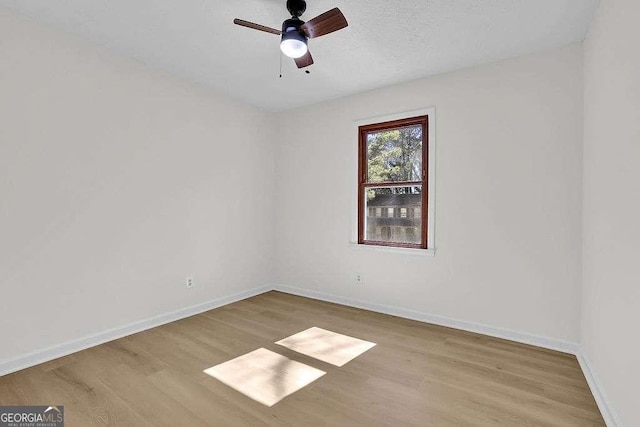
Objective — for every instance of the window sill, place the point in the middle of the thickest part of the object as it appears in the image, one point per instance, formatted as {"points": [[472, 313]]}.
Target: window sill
{"points": [[393, 250]]}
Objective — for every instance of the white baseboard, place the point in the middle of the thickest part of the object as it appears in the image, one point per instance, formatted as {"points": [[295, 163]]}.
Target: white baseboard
{"points": [[8, 366], [550, 343], [604, 404], [35, 358]]}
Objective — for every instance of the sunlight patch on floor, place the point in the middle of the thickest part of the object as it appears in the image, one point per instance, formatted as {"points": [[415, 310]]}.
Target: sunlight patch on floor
{"points": [[330, 347], [265, 376]]}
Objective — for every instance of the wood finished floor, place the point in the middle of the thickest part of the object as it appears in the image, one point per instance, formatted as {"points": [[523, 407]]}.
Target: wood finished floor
{"points": [[418, 374]]}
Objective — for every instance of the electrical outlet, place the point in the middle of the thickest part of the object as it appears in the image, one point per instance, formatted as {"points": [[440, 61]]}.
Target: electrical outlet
{"points": [[359, 279], [189, 282]]}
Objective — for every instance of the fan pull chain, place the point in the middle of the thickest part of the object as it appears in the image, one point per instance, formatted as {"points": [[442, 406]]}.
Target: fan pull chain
{"points": [[280, 65]]}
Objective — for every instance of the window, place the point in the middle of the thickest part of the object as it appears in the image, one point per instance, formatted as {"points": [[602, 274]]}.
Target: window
{"points": [[392, 171]]}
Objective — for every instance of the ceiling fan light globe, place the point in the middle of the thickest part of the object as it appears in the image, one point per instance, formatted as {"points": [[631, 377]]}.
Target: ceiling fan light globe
{"points": [[293, 48]]}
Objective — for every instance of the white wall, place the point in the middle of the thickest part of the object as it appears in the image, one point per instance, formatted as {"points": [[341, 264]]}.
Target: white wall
{"points": [[508, 197], [116, 182], [611, 313]]}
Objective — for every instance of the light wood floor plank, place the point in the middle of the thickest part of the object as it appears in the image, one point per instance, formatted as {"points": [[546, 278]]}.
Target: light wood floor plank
{"points": [[417, 375]]}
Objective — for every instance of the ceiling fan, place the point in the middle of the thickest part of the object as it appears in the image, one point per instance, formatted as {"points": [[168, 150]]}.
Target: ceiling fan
{"points": [[295, 32]]}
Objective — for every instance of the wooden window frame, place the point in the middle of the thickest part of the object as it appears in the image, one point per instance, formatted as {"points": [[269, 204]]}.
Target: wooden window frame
{"points": [[363, 183]]}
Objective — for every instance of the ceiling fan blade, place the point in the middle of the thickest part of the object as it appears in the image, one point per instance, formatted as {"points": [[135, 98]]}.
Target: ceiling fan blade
{"points": [[326, 23], [259, 27], [304, 61]]}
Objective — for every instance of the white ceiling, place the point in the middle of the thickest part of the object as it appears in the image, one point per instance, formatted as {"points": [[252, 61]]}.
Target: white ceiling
{"points": [[386, 42]]}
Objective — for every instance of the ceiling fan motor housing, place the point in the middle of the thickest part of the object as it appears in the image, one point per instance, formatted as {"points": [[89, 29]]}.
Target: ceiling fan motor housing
{"points": [[291, 29], [296, 7]]}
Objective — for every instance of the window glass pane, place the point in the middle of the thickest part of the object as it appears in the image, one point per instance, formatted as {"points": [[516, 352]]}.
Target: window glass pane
{"points": [[395, 155], [392, 228]]}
